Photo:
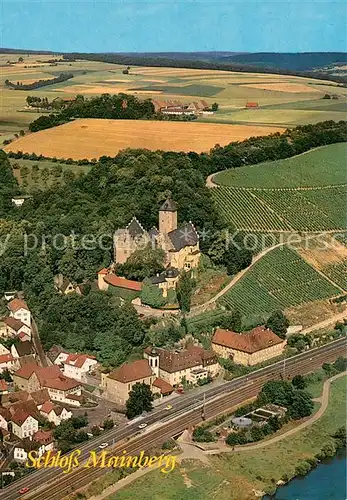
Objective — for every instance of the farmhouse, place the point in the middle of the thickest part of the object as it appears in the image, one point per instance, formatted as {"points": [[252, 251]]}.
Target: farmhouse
{"points": [[180, 243], [12, 327], [251, 348], [77, 366]]}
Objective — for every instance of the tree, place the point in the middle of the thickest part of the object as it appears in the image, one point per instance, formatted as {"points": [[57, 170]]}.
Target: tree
{"points": [[301, 405], [184, 290], [236, 321], [108, 424], [152, 294], [140, 400], [215, 106], [278, 323], [299, 382], [20, 59]]}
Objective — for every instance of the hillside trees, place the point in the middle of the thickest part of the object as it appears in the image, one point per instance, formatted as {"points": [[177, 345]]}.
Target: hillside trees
{"points": [[278, 323]]}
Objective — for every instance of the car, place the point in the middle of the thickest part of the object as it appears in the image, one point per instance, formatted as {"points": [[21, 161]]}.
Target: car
{"points": [[168, 407], [23, 490], [103, 445], [142, 426]]}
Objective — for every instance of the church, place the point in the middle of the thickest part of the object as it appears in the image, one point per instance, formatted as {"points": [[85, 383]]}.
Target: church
{"points": [[180, 243]]}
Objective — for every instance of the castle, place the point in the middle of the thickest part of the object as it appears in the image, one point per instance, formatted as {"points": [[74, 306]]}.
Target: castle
{"points": [[180, 244]]}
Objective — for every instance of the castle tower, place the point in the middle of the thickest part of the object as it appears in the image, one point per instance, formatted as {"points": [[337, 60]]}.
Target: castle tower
{"points": [[168, 216]]}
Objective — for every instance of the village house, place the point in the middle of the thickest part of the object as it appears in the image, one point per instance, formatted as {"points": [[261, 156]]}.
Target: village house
{"points": [[250, 348], [64, 286], [166, 280], [32, 377], [5, 418], [107, 278], [23, 424], [19, 200], [191, 364], [8, 362], [162, 370], [23, 350], [180, 243], [57, 355], [12, 327], [55, 413], [19, 310], [42, 441], [120, 381], [78, 366], [3, 389]]}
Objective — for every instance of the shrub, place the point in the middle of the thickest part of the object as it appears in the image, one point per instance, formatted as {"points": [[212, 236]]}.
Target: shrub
{"points": [[302, 468]]}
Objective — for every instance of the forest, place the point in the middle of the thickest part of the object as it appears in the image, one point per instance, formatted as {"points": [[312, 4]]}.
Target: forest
{"points": [[63, 77]]}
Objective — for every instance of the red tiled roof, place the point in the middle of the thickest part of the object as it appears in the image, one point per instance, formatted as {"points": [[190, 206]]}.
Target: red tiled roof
{"points": [[50, 376], [173, 361], [16, 304], [47, 407], [13, 323], [257, 339], [103, 271], [3, 385], [77, 359], [129, 372], [44, 437], [251, 105], [20, 417], [165, 387], [5, 358], [114, 280]]}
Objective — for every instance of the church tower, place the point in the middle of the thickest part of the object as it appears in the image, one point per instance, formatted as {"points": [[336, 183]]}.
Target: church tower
{"points": [[168, 216]]}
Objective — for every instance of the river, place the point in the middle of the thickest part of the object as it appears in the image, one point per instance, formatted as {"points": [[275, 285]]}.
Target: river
{"points": [[326, 482]]}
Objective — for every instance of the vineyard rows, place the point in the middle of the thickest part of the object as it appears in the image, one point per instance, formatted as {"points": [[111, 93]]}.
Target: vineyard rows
{"points": [[281, 279], [337, 273], [276, 210]]}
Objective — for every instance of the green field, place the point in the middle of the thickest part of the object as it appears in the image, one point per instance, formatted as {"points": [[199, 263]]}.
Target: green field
{"points": [[281, 209], [235, 476], [280, 280], [325, 166]]}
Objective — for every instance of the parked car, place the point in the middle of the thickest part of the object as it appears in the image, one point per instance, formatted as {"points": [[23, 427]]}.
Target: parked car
{"points": [[103, 445], [168, 407], [142, 426], [23, 490]]}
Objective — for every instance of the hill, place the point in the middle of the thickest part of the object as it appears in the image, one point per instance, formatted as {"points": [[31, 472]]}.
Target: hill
{"points": [[303, 193]]}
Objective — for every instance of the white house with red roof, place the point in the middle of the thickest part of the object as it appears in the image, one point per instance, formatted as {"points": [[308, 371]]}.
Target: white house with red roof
{"points": [[19, 310], [77, 366], [55, 413], [42, 441], [12, 327], [23, 424]]}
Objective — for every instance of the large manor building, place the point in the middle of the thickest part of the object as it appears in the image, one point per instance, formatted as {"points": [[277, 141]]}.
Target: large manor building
{"points": [[180, 243]]}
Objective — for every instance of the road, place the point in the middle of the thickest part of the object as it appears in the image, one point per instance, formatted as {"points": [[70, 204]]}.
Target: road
{"points": [[52, 484]]}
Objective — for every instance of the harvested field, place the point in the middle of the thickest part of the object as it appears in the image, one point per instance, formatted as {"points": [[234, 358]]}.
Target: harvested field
{"points": [[324, 251], [92, 138], [295, 88]]}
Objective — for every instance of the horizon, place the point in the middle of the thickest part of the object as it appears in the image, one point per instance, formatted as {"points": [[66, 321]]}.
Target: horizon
{"points": [[174, 26]]}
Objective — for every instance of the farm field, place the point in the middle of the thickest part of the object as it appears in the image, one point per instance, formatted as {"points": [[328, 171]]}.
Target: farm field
{"points": [[282, 210], [280, 280], [282, 100], [92, 138], [324, 166]]}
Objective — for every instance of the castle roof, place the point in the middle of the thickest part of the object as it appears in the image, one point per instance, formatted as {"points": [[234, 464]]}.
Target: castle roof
{"points": [[134, 228], [168, 206], [183, 236]]}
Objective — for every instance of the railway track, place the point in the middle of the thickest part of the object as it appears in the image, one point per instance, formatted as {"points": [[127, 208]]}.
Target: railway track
{"points": [[52, 484]]}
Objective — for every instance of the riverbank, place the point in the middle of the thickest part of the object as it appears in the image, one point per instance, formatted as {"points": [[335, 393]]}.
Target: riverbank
{"points": [[327, 480]]}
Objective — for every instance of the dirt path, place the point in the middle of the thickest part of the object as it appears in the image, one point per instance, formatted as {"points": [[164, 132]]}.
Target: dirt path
{"points": [[323, 399], [327, 322]]}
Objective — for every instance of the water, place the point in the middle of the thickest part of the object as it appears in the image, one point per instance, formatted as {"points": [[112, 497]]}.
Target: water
{"points": [[326, 482]]}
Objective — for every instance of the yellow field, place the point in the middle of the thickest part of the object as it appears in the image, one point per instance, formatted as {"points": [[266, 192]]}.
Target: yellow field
{"points": [[295, 88], [92, 138]]}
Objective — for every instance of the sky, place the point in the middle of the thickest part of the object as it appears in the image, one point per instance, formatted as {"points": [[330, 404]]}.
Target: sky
{"points": [[174, 25]]}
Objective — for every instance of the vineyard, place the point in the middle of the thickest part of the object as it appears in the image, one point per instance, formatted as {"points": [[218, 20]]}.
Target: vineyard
{"points": [[282, 209], [281, 279], [325, 166], [338, 273]]}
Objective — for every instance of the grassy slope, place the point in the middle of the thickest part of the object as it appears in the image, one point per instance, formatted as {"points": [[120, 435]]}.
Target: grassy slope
{"points": [[323, 166], [234, 475]]}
